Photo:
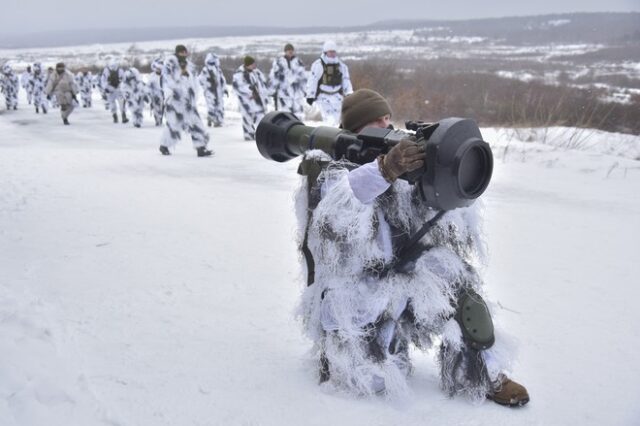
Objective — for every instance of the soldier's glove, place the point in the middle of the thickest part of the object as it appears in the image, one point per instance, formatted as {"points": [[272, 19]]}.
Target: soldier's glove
{"points": [[406, 156], [310, 101]]}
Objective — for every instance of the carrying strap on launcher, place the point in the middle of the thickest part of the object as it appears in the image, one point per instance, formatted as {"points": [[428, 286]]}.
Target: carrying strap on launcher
{"points": [[311, 168], [410, 251]]}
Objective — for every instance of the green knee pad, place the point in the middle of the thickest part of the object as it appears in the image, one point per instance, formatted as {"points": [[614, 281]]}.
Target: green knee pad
{"points": [[474, 320]]}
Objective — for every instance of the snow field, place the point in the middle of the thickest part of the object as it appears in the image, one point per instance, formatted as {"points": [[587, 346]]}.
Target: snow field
{"points": [[137, 289]]}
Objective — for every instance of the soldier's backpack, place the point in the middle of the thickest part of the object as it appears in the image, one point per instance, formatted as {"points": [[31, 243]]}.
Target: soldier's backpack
{"points": [[331, 75], [114, 78]]}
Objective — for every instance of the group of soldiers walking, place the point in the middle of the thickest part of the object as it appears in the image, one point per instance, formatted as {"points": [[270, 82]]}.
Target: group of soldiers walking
{"points": [[289, 84], [172, 86], [57, 88]]}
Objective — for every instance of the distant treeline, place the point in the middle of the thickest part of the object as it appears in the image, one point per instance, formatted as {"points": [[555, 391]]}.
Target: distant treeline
{"points": [[432, 90], [429, 94]]}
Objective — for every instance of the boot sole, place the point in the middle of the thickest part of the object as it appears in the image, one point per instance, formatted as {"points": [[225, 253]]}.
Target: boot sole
{"points": [[510, 404]]}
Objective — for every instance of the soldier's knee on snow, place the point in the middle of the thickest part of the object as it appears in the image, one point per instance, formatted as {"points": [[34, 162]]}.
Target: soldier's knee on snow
{"points": [[475, 320]]}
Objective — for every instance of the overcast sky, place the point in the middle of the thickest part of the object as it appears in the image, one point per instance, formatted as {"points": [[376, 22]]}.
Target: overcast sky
{"points": [[28, 16]]}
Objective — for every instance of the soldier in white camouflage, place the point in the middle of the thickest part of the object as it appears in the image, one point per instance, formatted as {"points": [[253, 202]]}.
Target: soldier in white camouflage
{"points": [[287, 82], [154, 91], [84, 79], [329, 83], [111, 77], [214, 86], [10, 84], [38, 83], [180, 106], [25, 82], [251, 88], [135, 94]]}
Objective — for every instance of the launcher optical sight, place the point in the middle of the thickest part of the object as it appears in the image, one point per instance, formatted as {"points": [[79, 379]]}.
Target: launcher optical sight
{"points": [[458, 163]]}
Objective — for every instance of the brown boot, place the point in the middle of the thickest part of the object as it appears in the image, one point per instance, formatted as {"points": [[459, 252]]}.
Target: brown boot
{"points": [[507, 392]]}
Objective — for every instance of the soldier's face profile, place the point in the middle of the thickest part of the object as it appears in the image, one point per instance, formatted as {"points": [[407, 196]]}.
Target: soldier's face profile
{"points": [[380, 122]]}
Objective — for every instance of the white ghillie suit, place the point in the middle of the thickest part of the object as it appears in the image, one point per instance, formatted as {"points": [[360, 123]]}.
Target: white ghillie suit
{"points": [[251, 88], [64, 88], [38, 82], [135, 94], [112, 77], [361, 320], [25, 82], [181, 113], [214, 87], [328, 84], [84, 79], [287, 82], [154, 89], [10, 86]]}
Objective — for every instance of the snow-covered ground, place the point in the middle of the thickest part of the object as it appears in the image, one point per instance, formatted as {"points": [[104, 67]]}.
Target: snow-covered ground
{"points": [[137, 289]]}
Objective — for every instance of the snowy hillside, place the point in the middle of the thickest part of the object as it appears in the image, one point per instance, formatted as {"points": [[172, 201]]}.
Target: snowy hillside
{"points": [[137, 289]]}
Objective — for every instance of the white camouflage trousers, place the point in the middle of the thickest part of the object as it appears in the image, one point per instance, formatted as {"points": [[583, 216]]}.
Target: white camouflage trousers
{"points": [[252, 113], [178, 122], [330, 106], [292, 105], [115, 98]]}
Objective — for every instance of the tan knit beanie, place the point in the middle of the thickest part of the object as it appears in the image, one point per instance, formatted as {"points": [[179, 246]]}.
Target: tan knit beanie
{"points": [[362, 107]]}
